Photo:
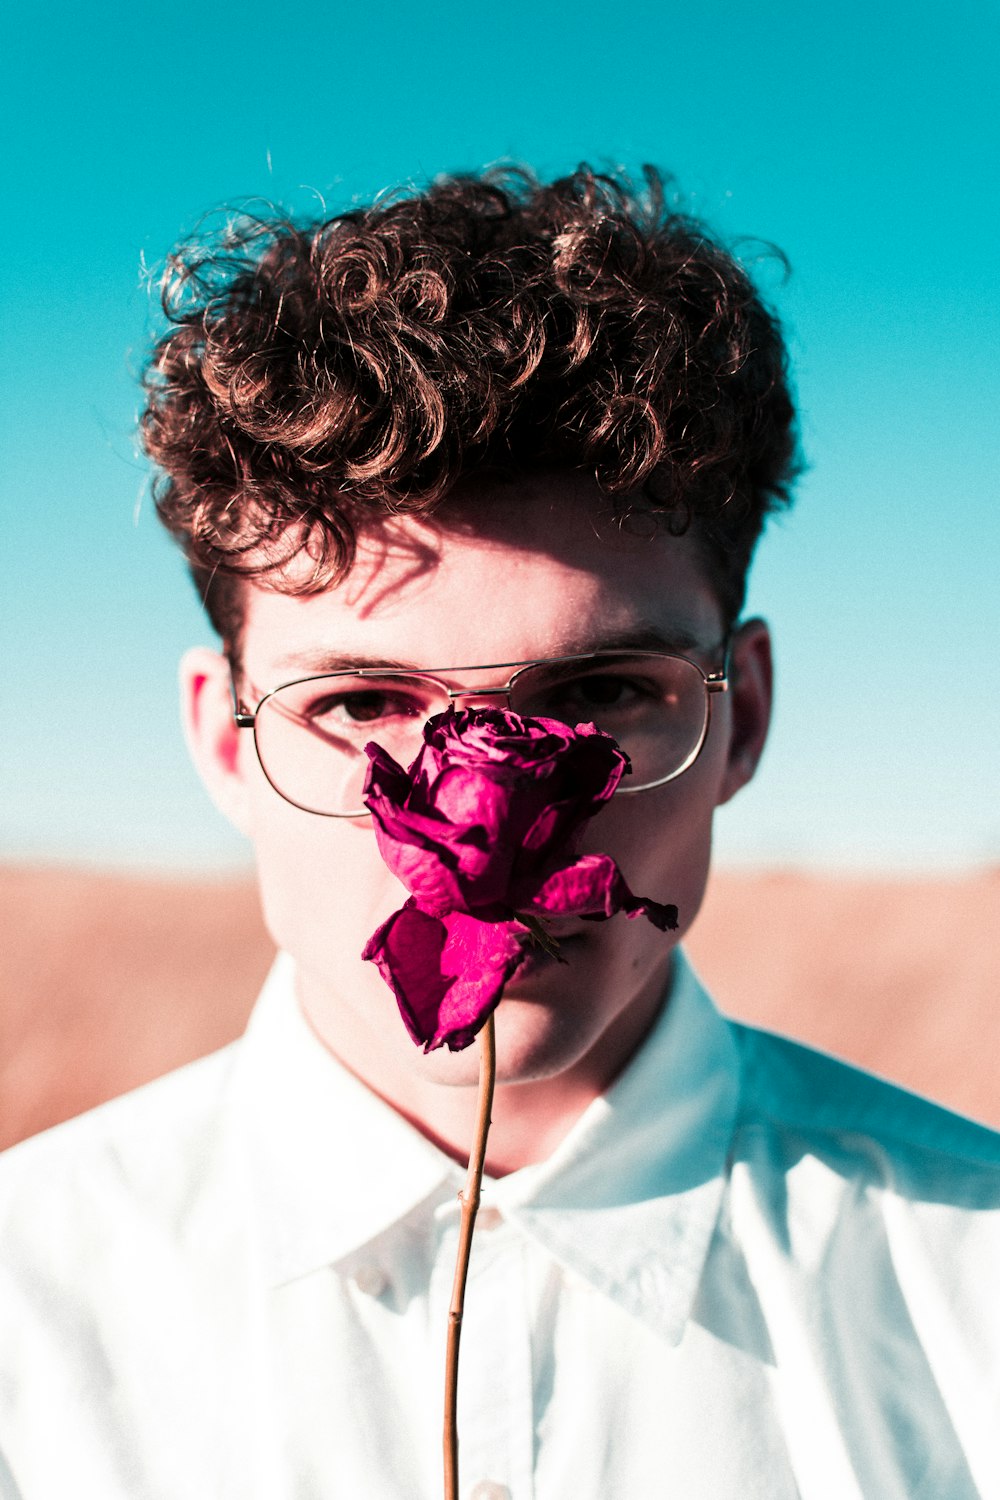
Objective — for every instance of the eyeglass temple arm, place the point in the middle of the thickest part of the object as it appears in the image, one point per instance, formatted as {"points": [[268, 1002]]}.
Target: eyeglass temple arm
{"points": [[244, 719], [718, 682]]}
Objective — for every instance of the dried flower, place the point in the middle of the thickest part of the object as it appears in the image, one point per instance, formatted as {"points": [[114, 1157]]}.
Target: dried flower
{"points": [[482, 830]]}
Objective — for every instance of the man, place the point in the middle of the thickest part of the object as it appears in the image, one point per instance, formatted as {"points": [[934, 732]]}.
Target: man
{"points": [[509, 443]]}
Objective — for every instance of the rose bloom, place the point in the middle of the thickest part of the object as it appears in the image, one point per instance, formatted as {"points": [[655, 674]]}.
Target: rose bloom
{"points": [[490, 802], [508, 572], [482, 830]]}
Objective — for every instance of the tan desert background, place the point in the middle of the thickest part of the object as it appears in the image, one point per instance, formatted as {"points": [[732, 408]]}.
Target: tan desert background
{"points": [[107, 980]]}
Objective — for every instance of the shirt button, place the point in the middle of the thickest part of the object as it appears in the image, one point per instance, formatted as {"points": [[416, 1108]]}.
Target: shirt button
{"points": [[488, 1489], [370, 1280], [488, 1218]]}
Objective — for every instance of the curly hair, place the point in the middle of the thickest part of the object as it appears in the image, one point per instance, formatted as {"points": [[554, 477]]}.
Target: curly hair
{"points": [[318, 375]]}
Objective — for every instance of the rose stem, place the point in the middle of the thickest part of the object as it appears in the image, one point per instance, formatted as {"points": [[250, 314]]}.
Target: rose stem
{"points": [[470, 1206]]}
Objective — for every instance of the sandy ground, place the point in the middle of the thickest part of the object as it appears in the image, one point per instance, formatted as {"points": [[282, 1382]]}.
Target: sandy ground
{"points": [[107, 981]]}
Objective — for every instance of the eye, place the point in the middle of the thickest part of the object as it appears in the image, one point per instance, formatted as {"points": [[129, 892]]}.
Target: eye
{"points": [[598, 693], [366, 706], [604, 690]]}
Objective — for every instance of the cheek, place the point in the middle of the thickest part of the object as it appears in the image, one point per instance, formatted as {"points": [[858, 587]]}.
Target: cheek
{"points": [[324, 887], [662, 840]]}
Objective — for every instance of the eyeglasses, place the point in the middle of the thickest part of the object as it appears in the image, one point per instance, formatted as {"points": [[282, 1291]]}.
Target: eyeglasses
{"points": [[310, 735]]}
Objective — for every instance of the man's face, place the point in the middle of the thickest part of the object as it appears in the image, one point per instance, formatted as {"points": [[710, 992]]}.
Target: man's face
{"points": [[544, 573]]}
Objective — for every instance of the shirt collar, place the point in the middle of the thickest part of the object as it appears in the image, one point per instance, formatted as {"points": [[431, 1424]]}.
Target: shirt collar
{"points": [[629, 1199], [303, 1114]]}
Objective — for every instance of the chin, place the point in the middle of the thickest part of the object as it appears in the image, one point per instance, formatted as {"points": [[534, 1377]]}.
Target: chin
{"points": [[534, 1041], [538, 1041], [535, 1044]]}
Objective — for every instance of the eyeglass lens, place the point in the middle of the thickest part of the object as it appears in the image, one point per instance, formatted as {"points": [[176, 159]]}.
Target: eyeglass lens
{"points": [[311, 735]]}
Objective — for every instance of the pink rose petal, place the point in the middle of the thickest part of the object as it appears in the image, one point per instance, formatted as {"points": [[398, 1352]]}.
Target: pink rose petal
{"points": [[593, 886], [483, 825], [447, 974], [455, 849]]}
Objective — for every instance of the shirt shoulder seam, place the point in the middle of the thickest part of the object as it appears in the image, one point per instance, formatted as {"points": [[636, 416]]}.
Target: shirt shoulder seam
{"points": [[871, 1105]]}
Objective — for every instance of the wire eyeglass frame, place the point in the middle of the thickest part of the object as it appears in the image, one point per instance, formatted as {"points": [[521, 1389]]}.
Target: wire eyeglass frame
{"points": [[246, 718]]}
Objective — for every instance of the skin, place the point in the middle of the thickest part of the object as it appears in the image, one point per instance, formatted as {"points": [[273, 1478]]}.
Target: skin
{"points": [[502, 574]]}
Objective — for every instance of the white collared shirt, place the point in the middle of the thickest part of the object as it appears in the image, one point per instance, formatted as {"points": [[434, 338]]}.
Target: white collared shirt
{"points": [[749, 1273]]}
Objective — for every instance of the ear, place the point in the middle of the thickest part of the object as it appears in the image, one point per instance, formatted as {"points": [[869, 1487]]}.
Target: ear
{"points": [[216, 746], [750, 698]]}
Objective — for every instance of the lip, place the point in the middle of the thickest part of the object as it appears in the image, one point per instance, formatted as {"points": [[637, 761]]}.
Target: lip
{"points": [[536, 960], [563, 927]]}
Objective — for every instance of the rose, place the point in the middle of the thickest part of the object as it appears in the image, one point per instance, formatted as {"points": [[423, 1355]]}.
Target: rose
{"points": [[490, 801], [482, 831]]}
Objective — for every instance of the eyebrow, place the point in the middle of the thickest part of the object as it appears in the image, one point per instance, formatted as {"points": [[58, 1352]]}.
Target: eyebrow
{"points": [[639, 637]]}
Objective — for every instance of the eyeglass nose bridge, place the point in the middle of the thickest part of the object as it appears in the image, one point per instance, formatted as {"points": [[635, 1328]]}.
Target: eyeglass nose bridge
{"points": [[484, 692]]}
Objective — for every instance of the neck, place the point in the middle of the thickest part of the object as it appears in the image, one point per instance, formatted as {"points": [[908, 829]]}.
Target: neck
{"points": [[534, 1106]]}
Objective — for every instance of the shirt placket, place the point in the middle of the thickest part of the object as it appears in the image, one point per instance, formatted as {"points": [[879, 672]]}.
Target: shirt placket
{"points": [[495, 1405]]}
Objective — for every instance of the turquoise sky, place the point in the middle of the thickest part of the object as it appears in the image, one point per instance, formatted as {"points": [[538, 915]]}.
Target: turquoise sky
{"points": [[862, 139]]}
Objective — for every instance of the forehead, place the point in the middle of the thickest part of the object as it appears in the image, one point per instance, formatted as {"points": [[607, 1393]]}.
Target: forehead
{"points": [[502, 573]]}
